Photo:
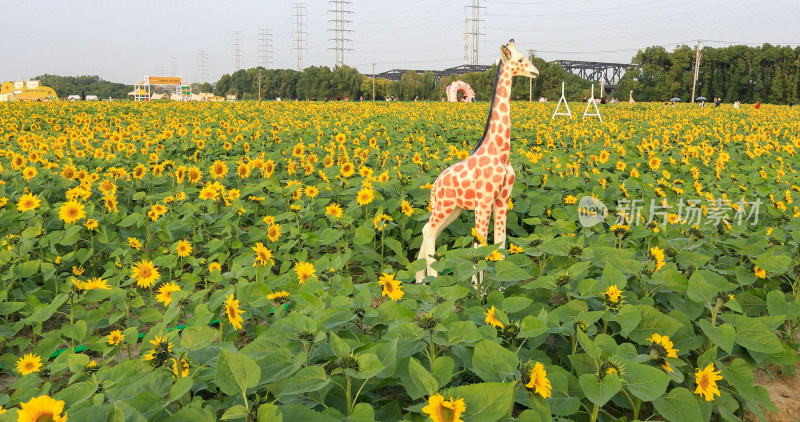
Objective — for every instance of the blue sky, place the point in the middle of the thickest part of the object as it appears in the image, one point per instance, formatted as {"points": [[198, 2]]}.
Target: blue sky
{"points": [[122, 40]]}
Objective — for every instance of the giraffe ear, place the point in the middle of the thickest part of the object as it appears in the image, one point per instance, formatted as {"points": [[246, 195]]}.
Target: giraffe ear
{"points": [[505, 53]]}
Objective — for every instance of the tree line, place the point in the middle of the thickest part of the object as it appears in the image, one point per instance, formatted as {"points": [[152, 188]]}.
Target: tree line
{"points": [[86, 85], [767, 73], [321, 82]]}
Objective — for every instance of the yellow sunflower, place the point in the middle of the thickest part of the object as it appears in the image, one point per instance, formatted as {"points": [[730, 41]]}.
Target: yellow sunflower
{"points": [[145, 273], [334, 210], [41, 409], [115, 338], [29, 364], [233, 312], [538, 381], [392, 287], [365, 196], [274, 232], [491, 319], [441, 410], [28, 202], [304, 270], [184, 248], [71, 211], [165, 292], [706, 380]]}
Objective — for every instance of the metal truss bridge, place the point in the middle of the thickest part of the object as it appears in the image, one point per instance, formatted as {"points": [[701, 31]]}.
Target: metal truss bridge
{"points": [[609, 73]]}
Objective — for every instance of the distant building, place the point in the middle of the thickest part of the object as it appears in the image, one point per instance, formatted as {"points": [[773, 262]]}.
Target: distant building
{"points": [[26, 90]]}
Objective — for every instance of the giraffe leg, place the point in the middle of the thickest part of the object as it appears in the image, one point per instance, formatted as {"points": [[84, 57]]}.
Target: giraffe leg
{"points": [[482, 214], [430, 233], [501, 208], [500, 215]]}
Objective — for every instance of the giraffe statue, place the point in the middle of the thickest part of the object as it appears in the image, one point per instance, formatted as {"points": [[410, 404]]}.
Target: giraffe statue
{"points": [[630, 98], [484, 180]]}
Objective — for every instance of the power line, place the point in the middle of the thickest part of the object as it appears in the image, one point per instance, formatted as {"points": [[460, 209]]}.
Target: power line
{"points": [[202, 66], [300, 33], [264, 48], [475, 31], [237, 49], [339, 30]]}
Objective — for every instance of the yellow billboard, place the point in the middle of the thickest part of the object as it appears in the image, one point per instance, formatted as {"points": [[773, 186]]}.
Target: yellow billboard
{"points": [[164, 80]]}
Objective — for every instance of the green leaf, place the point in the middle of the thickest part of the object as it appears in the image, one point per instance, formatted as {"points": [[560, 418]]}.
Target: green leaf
{"points": [[628, 318], [587, 345], [193, 414], [10, 307], [197, 337], [723, 335], [269, 412], [235, 412], [531, 327], [368, 366], [739, 375], [43, 313], [679, 405], [310, 378], [754, 335], [597, 391], [493, 362], [645, 382], [508, 271], [26, 269], [613, 276], [774, 264], [339, 347], [701, 290], [422, 379], [180, 388], [484, 401], [235, 372], [76, 331], [653, 321]]}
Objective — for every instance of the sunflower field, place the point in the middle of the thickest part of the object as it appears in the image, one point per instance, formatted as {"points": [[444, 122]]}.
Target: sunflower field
{"points": [[255, 262]]}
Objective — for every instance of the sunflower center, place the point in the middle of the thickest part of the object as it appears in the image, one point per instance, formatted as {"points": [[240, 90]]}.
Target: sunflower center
{"points": [[44, 416], [704, 382], [72, 212], [145, 273]]}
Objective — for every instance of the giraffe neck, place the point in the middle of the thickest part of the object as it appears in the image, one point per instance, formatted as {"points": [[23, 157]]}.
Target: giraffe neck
{"points": [[496, 139]]}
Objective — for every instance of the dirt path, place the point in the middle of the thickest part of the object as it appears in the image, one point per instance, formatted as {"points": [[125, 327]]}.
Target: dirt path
{"points": [[784, 391]]}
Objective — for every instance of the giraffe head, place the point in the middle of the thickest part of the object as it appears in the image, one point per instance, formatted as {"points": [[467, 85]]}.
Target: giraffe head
{"points": [[516, 62]]}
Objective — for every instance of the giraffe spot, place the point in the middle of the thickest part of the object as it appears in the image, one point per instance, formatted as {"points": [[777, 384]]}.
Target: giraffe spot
{"points": [[502, 92], [471, 163], [449, 193], [505, 122], [508, 81], [440, 193], [469, 194], [465, 183], [458, 167], [511, 179], [440, 215], [484, 161], [459, 192], [492, 149], [479, 184], [503, 107], [447, 205], [508, 132], [498, 203], [497, 178], [480, 195], [488, 172]]}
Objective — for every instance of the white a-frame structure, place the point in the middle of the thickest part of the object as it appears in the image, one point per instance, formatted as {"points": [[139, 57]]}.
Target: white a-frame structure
{"points": [[560, 100], [592, 102]]}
